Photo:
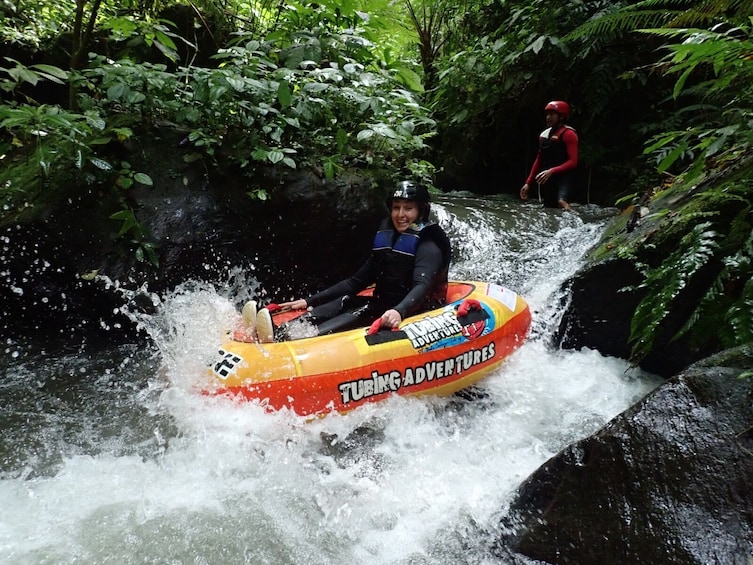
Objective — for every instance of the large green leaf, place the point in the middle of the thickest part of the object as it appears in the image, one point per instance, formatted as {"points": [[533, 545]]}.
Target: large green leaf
{"points": [[410, 79], [283, 94], [143, 178]]}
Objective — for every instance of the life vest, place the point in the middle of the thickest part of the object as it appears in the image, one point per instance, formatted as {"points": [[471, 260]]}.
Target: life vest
{"points": [[553, 148], [395, 255]]}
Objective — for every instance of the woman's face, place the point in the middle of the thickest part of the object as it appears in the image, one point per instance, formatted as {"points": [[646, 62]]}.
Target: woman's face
{"points": [[403, 214]]}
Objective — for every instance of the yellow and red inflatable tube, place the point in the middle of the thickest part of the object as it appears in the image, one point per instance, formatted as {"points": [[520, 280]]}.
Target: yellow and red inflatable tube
{"points": [[437, 352]]}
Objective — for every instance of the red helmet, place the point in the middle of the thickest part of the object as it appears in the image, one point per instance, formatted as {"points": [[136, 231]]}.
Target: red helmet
{"points": [[562, 108]]}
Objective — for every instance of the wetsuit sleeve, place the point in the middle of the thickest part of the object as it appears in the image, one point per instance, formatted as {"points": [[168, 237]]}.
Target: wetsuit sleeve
{"points": [[352, 285], [534, 168], [428, 265], [570, 139]]}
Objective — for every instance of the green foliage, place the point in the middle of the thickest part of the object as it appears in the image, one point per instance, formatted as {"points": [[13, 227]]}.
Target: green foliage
{"points": [[33, 22], [21, 74], [463, 95], [715, 256], [314, 92], [53, 138], [136, 93], [615, 19], [133, 234], [295, 111], [499, 64], [127, 177], [37, 22], [720, 63], [726, 310], [312, 97], [704, 142], [143, 32], [695, 251]]}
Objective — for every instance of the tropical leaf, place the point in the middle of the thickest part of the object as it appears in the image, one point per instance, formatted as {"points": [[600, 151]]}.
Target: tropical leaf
{"points": [[664, 285]]}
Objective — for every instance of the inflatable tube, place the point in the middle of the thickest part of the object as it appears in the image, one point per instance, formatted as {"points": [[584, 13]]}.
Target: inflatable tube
{"points": [[437, 352]]}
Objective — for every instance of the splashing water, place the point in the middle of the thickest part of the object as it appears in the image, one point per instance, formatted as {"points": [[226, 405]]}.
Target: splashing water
{"points": [[111, 456]]}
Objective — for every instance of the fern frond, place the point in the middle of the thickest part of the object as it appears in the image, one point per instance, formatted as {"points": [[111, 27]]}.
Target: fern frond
{"points": [[739, 236], [666, 283], [601, 85], [740, 319], [676, 5], [695, 10], [610, 26], [726, 308], [709, 309]]}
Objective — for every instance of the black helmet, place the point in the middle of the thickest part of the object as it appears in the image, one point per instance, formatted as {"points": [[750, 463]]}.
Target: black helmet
{"points": [[410, 190]]}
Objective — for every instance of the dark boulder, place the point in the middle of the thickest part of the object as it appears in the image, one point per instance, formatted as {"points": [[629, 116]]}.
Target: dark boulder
{"points": [[667, 481], [58, 269], [604, 295]]}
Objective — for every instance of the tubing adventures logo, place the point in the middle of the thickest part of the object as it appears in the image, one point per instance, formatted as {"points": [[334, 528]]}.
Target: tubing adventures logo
{"points": [[432, 329], [431, 332], [420, 376]]}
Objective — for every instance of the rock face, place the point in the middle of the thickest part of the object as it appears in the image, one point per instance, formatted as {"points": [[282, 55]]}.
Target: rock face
{"points": [[202, 227], [667, 481], [605, 293], [599, 314]]}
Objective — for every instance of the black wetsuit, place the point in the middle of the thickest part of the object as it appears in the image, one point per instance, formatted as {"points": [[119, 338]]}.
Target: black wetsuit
{"points": [[409, 276]]}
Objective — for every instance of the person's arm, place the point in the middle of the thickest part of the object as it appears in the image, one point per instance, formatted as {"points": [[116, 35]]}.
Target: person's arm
{"points": [[531, 175], [352, 285], [534, 168], [427, 266]]}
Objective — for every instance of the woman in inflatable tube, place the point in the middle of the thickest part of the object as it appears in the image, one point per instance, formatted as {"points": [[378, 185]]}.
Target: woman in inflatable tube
{"points": [[408, 267]]}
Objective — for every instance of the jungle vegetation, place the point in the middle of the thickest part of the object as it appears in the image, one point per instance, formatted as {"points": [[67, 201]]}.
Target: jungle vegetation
{"points": [[443, 91]]}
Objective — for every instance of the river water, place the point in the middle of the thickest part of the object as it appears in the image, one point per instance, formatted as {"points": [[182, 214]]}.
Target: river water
{"points": [[107, 454]]}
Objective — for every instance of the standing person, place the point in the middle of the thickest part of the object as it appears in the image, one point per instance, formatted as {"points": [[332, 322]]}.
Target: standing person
{"points": [[556, 160], [408, 265]]}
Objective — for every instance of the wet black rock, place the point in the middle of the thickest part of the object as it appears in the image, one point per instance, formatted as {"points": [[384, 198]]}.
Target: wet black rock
{"points": [[604, 295], [667, 481]]}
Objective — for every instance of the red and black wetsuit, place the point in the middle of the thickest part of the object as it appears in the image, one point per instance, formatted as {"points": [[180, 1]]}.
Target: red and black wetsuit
{"points": [[558, 151]]}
